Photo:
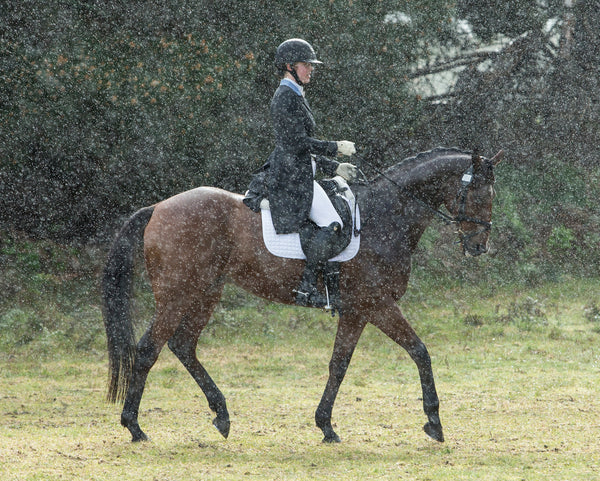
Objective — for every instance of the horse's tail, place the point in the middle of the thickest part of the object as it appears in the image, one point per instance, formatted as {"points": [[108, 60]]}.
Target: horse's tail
{"points": [[117, 281]]}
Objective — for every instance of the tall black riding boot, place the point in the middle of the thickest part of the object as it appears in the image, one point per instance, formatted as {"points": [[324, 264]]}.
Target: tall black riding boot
{"points": [[317, 246], [307, 293]]}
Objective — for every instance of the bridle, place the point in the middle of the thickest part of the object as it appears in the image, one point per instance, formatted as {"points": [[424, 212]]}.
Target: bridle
{"points": [[461, 198]]}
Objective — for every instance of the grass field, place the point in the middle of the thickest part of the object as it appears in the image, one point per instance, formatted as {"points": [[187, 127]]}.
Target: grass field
{"points": [[517, 374]]}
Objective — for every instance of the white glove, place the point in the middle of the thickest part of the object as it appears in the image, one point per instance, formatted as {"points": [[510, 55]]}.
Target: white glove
{"points": [[345, 147], [348, 171]]}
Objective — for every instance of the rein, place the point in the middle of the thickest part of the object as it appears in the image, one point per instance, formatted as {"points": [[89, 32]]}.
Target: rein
{"points": [[466, 180]]}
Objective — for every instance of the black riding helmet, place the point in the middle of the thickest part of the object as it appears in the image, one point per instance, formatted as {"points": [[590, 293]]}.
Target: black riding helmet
{"points": [[292, 51]]}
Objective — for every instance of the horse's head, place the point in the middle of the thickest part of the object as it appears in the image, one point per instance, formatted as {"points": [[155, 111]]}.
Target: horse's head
{"points": [[472, 205]]}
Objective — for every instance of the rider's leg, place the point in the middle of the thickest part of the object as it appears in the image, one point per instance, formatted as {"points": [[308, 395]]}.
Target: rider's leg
{"points": [[318, 247], [317, 238]]}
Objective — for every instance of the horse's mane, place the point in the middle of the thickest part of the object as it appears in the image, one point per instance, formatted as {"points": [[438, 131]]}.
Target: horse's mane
{"points": [[401, 170], [411, 162]]}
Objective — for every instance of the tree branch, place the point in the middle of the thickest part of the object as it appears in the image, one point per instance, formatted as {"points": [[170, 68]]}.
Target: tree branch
{"points": [[464, 60]]}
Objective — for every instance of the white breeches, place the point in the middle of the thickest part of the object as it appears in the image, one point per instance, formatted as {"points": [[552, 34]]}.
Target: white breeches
{"points": [[322, 211]]}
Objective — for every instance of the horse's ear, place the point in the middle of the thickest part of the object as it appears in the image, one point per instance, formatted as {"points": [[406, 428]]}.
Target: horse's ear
{"points": [[495, 160]]}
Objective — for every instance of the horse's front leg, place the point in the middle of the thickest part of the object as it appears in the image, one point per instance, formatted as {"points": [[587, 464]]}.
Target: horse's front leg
{"points": [[348, 333], [391, 321]]}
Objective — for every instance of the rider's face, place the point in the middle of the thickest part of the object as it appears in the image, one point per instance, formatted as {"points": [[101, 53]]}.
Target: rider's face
{"points": [[304, 71]]}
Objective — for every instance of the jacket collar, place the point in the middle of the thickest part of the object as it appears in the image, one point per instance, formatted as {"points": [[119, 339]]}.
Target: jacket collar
{"points": [[293, 85]]}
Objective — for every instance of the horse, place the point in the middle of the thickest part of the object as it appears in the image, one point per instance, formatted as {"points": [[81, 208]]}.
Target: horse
{"points": [[198, 240]]}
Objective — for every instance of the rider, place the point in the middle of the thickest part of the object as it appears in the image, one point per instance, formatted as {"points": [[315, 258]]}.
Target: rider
{"points": [[297, 202]]}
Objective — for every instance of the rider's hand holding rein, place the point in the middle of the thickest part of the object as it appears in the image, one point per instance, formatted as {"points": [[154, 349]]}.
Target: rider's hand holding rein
{"points": [[345, 147], [346, 170]]}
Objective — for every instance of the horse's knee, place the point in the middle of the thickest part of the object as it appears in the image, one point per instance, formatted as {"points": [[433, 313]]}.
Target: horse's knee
{"points": [[419, 354]]}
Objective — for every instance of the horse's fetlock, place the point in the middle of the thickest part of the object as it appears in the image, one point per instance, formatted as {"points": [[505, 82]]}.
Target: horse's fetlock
{"points": [[128, 418], [433, 417], [431, 407], [322, 420]]}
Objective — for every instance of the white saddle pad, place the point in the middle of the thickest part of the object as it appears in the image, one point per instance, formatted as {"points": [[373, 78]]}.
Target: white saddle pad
{"points": [[288, 245]]}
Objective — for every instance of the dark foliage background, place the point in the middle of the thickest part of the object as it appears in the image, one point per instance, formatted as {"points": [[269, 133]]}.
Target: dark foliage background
{"points": [[107, 106]]}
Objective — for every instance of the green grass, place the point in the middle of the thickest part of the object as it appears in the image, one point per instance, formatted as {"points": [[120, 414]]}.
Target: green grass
{"points": [[516, 369]]}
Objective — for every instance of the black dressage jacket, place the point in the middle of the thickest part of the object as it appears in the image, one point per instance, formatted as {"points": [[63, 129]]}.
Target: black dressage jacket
{"points": [[289, 175]]}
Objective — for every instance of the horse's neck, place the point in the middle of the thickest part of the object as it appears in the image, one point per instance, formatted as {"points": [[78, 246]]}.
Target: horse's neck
{"points": [[392, 223], [400, 207], [432, 179]]}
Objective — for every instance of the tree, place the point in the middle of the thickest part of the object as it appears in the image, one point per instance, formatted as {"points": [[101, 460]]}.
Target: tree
{"points": [[116, 104], [531, 87]]}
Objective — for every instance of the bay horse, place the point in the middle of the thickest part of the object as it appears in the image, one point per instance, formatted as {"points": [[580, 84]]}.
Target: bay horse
{"points": [[196, 241]]}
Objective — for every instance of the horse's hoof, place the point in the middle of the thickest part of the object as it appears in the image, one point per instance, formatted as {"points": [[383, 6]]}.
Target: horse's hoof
{"points": [[138, 436], [434, 431], [222, 425], [332, 439]]}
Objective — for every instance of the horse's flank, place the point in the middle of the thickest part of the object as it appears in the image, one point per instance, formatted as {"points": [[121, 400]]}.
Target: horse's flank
{"points": [[216, 229]]}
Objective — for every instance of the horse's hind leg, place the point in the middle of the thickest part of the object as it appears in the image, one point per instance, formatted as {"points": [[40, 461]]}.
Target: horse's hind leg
{"points": [[183, 344], [148, 349], [168, 317]]}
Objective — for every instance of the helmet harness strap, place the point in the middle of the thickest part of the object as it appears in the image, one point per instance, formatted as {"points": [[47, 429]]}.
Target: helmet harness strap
{"points": [[292, 70]]}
